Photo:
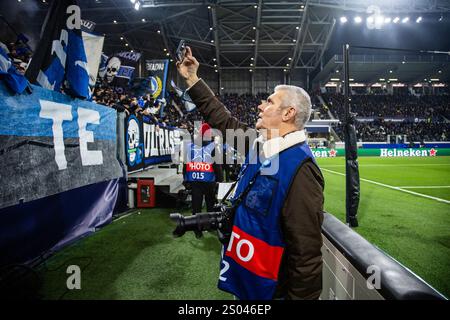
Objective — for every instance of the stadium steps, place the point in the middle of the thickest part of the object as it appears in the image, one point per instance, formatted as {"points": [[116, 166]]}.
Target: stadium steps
{"points": [[176, 189], [322, 101], [335, 135], [175, 182], [162, 177]]}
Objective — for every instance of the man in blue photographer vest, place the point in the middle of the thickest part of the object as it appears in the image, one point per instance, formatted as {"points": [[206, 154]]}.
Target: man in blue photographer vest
{"points": [[274, 251], [200, 171]]}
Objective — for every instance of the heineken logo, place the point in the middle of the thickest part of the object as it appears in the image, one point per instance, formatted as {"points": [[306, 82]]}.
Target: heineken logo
{"points": [[407, 153], [332, 153], [382, 152]]}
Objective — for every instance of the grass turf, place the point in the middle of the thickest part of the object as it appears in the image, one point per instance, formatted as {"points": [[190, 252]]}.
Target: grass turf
{"points": [[137, 257], [412, 229]]}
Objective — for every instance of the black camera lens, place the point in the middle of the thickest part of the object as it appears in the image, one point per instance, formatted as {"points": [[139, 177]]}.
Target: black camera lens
{"points": [[220, 220], [197, 223]]}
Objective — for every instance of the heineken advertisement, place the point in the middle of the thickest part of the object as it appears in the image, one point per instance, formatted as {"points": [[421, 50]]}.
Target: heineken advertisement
{"points": [[385, 153]]}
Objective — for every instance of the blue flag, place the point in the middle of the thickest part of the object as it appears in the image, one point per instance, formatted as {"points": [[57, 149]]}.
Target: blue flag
{"points": [[60, 58], [8, 72]]}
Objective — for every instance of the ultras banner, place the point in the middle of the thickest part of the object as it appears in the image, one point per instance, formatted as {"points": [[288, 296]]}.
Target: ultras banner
{"points": [[148, 143], [50, 143]]}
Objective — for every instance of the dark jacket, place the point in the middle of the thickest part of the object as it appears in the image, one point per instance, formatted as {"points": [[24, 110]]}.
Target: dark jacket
{"points": [[300, 275]]}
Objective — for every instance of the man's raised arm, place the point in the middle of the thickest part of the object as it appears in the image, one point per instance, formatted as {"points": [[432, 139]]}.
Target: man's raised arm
{"points": [[214, 112]]}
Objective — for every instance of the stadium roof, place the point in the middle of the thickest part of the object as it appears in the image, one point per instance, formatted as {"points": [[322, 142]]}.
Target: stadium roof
{"points": [[403, 68], [229, 34], [225, 34]]}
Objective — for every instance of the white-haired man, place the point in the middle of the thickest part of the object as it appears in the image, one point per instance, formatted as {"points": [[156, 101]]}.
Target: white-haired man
{"points": [[274, 249]]}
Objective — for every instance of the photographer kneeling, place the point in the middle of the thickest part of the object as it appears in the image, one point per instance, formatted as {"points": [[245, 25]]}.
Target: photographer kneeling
{"points": [[274, 248]]}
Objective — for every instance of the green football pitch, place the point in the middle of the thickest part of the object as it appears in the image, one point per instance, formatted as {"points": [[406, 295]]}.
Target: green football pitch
{"points": [[404, 210]]}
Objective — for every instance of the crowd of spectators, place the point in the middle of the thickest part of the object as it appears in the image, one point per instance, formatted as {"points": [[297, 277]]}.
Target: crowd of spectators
{"points": [[379, 131], [407, 106], [419, 118], [19, 53]]}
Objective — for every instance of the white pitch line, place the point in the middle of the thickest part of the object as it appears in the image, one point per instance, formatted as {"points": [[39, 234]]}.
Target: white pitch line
{"points": [[423, 187], [392, 187], [387, 165]]}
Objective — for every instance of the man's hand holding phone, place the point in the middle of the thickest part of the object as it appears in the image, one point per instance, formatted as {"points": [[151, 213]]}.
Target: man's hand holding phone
{"points": [[187, 68]]}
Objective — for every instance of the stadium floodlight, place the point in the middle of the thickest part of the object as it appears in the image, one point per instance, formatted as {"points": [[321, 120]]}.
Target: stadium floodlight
{"points": [[419, 19], [405, 20], [379, 20], [357, 19], [343, 19], [396, 19], [137, 5], [370, 19], [387, 20]]}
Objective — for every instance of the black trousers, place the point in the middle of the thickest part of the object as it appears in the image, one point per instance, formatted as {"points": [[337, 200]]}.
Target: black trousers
{"points": [[200, 189]]}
